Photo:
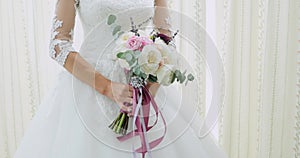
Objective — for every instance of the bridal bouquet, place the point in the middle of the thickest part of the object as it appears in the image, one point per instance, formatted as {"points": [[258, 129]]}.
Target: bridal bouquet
{"points": [[145, 57]]}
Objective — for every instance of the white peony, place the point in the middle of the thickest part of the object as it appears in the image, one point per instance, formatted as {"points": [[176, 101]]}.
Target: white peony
{"points": [[122, 40], [168, 54], [165, 74], [143, 33], [159, 41], [149, 59]]}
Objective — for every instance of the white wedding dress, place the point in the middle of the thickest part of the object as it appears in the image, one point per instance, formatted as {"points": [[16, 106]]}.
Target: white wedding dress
{"points": [[73, 119]]}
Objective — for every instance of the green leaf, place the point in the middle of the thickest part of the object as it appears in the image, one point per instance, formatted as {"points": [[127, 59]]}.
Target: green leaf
{"points": [[132, 64], [173, 78], [136, 54], [144, 75], [190, 77], [111, 19], [152, 78], [137, 71], [116, 29], [121, 55], [177, 73], [182, 79], [186, 82], [120, 33], [128, 57]]}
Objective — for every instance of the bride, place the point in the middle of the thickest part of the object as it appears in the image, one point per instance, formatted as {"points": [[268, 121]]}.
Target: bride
{"points": [[63, 129]]}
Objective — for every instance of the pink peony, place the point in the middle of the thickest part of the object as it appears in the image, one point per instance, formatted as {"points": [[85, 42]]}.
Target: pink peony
{"points": [[138, 43], [145, 41]]}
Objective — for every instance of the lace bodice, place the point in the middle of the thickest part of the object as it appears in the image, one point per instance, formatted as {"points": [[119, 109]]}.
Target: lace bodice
{"points": [[91, 12]]}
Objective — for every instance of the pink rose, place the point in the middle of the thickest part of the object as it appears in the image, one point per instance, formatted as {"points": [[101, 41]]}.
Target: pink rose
{"points": [[134, 43], [138, 43]]}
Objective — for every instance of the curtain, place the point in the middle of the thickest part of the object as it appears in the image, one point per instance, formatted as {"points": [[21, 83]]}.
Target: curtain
{"points": [[258, 41], [259, 44], [26, 72]]}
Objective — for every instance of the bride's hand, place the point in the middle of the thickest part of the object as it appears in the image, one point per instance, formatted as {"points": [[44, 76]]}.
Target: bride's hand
{"points": [[121, 94], [153, 87]]}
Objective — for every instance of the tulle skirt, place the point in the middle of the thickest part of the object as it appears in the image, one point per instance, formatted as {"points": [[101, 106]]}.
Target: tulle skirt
{"points": [[58, 131]]}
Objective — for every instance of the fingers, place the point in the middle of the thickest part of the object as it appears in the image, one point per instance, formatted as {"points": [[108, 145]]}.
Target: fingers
{"points": [[130, 88], [130, 94], [130, 114], [127, 91], [127, 109], [130, 111], [128, 100]]}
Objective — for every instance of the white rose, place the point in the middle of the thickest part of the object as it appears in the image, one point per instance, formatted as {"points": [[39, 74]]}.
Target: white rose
{"points": [[159, 41], [124, 38], [149, 59], [168, 54], [124, 64], [143, 33], [165, 74]]}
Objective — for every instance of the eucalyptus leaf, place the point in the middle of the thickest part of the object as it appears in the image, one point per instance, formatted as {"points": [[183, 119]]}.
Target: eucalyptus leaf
{"points": [[116, 29], [111, 19], [120, 33], [177, 73], [134, 63], [186, 82], [191, 77], [128, 57], [137, 71], [131, 63], [173, 78], [121, 55], [145, 76], [183, 79], [136, 54], [152, 78]]}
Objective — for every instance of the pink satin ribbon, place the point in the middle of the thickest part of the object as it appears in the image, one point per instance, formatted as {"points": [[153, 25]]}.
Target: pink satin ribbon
{"points": [[140, 122]]}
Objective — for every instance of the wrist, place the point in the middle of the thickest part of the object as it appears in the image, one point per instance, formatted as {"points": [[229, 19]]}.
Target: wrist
{"points": [[153, 87], [107, 88], [102, 85]]}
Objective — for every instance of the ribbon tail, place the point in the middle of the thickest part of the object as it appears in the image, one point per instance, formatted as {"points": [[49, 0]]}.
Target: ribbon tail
{"points": [[143, 123]]}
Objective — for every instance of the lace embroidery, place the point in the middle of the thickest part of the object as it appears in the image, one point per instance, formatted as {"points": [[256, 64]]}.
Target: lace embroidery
{"points": [[65, 46], [168, 21], [77, 3]]}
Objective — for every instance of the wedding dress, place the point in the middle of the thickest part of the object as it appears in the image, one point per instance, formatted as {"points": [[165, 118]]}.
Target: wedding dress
{"points": [[73, 119]]}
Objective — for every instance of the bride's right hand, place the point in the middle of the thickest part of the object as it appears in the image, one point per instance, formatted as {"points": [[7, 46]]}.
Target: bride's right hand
{"points": [[121, 94]]}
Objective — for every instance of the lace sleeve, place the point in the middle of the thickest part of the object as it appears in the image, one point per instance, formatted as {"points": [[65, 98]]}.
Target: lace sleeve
{"points": [[162, 19], [61, 42]]}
